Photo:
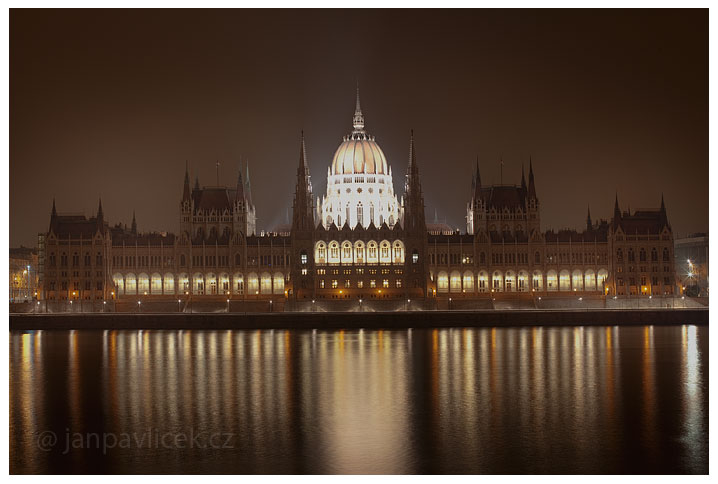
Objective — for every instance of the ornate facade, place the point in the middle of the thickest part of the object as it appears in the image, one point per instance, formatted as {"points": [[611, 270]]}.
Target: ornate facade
{"points": [[359, 241]]}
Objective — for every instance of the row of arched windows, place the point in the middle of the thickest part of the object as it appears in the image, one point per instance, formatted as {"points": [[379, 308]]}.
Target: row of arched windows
{"points": [[520, 281], [199, 284], [359, 252]]}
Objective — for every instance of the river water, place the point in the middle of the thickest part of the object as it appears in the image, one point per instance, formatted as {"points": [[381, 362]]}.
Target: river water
{"points": [[502, 400]]}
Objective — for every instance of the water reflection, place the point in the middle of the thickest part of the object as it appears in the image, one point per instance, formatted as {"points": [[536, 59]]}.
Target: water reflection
{"points": [[510, 400]]}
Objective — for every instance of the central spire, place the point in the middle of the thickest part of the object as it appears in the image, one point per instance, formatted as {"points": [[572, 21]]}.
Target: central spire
{"points": [[358, 116]]}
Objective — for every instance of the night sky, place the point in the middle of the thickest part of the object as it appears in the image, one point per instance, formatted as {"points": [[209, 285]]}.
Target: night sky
{"points": [[112, 103]]}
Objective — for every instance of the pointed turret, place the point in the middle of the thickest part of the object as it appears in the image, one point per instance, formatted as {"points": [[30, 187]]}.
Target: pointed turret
{"points": [[616, 212], [53, 215], [589, 224], [523, 179], [532, 186], [247, 184], [664, 216], [196, 183], [185, 191], [239, 192], [100, 215], [414, 218], [477, 186], [134, 224], [358, 120], [303, 209]]}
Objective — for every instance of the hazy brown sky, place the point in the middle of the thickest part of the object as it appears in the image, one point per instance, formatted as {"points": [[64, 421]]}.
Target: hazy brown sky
{"points": [[111, 103]]}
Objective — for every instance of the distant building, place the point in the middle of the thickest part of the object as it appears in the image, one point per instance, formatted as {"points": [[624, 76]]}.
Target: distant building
{"points": [[692, 263], [360, 240], [23, 274]]}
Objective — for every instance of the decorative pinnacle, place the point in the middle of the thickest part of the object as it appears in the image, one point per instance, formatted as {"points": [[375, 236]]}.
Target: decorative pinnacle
{"points": [[358, 116]]}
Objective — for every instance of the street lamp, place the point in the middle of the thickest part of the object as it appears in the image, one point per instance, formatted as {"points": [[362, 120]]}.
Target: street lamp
{"points": [[179, 305], [139, 303]]}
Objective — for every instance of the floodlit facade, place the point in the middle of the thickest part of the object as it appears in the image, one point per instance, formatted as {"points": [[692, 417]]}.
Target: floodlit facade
{"points": [[358, 241]]}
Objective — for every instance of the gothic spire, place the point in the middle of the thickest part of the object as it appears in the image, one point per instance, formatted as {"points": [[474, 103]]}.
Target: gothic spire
{"points": [[358, 119], [239, 192], [53, 215], [303, 210], [589, 224], [134, 223], [100, 214], [247, 184], [413, 167], [616, 212], [523, 179], [185, 190], [196, 182], [477, 181], [532, 185], [303, 167]]}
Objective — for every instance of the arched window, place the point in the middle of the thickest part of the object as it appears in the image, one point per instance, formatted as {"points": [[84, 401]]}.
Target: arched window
{"points": [[631, 256], [482, 258], [537, 257], [551, 280], [169, 283], [666, 257], [398, 252], [642, 255], [359, 252], [320, 253], [468, 281], [442, 282], [414, 256], [654, 255], [497, 282], [372, 252], [483, 281], [564, 280], [156, 284], [537, 281], [385, 252], [577, 280], [130, 284], [266, 283], [619, 255], [119, 282], [346, 252], [455, 282], [237, 259], [278, 283], [303, 257], [360, 214], [334, 252], [183, 261]]}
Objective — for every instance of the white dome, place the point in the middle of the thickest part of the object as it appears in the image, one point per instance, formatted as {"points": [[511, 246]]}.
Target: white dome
{"points": [[359, 153]]}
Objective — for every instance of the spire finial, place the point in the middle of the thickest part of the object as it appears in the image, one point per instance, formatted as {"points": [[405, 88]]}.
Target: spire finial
{"points": [[358, 116]]}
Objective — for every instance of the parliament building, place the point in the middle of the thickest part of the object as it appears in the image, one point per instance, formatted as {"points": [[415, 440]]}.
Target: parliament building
{"points": [[360, 241]]}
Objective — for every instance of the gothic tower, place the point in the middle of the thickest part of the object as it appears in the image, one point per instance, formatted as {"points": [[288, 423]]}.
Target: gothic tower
{"points": [[414, 227], [532, 202], [303, 227]]}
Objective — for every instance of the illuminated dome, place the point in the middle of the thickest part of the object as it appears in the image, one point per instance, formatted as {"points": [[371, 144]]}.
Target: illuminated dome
{"points": [[359, 154], [360, 189]]}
